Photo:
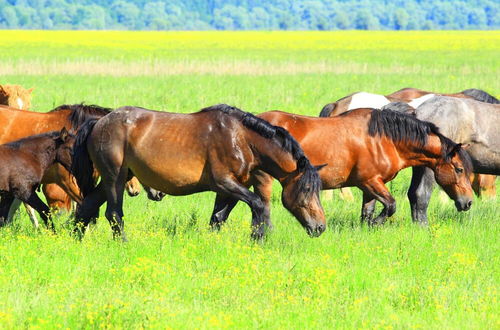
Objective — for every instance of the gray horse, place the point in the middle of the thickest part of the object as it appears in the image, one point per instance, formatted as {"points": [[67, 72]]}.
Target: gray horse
{"points": [[464, 121]]}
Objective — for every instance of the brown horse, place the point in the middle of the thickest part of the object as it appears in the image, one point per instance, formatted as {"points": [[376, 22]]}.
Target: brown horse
{"points": [[367, 148], [217, 149], [484, 183], [17, 124], [24, 163], [15, 96]]}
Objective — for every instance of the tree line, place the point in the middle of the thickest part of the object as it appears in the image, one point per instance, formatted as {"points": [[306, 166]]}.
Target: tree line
{"points": [[250, 14]]}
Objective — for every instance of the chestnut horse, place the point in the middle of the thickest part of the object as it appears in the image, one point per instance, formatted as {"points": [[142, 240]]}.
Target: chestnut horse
{"points": [[216, 149], [24, 163], [483, 184], [17, 124], [15, 96], [367, 148]]}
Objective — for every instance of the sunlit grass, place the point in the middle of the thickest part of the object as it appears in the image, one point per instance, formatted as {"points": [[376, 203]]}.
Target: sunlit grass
{"points": [[175, 272]]}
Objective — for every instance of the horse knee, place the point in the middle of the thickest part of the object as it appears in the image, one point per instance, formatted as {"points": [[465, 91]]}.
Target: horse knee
{"points": [[391, 208]]}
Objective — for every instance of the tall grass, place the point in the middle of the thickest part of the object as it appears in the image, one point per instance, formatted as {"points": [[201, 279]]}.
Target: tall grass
{"points": [[177, 273]]}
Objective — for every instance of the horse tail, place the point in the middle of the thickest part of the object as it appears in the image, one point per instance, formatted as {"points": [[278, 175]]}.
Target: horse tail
{"points": [[480, 95], [328, 109], [82, 166]]}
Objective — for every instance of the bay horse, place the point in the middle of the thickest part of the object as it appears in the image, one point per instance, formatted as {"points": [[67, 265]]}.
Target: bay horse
{"points": [[23, 166], [413, 98], [367, 148], [216, 149], [466, 121]]}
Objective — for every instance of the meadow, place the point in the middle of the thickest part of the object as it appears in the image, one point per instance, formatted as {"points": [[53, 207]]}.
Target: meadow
{"points": [[174, 272]]}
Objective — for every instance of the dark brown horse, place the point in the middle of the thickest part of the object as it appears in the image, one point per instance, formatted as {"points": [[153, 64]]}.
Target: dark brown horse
{"points": [[367, 148], [217, 149], [16, 124], [24, 163]]}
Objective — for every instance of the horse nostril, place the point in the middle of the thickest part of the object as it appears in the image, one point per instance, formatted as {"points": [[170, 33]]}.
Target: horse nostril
{"points": [[469, 204]]}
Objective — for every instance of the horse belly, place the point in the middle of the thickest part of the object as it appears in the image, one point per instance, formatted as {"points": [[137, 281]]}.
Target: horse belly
{"points": [[171, 175]]}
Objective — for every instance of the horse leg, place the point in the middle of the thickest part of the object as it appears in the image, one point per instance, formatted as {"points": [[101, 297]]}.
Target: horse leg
{"points": [[5, 206], [31, 214], [43, 210], [262, 186], [376, 189], [236, 190], [419, 194], [88, 211], [222, 207], [114, 188], [367, 208]]}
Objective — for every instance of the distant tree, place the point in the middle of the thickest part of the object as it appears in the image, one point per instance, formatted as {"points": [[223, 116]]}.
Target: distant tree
{"points": [[10, 16], [401, 19], [365, 21], [125, 13]]}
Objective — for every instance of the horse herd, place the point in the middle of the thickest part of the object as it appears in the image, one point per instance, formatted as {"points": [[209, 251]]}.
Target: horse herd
{"points": [[361, 140]]}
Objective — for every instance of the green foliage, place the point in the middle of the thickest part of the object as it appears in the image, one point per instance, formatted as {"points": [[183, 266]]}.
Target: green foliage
{"points": [[250, 15]]}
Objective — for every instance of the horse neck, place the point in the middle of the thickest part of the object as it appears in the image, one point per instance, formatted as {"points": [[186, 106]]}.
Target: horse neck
{"points": [[415, 155], [44, 152], [273, 159]]}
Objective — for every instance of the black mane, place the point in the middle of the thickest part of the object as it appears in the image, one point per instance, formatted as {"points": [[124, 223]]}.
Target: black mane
{"points": [[81, 112], [282, 137], [401, 127], [480, 95]]}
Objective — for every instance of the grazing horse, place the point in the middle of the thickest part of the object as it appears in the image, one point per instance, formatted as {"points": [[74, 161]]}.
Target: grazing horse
{"points": [[216, 149], [15, 96], [16, 124], [367, 148], [413, 98], [465, 121], [23, 166]]}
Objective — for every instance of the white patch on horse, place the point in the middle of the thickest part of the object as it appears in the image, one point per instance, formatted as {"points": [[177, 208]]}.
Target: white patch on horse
{"points": [[418, 101], [367, 100], [20, 103]]}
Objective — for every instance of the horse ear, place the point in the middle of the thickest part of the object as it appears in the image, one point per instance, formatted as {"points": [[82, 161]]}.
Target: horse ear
{"points": [[465, 146], [2, 90], [319, 167], [455, 149], [63, 135]]}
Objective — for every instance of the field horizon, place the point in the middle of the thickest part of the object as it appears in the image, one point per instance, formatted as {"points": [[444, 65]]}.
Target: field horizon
{"points": [[175, 272]]}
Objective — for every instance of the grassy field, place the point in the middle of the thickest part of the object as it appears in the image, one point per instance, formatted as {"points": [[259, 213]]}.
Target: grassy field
{"points": [[175, 272]]}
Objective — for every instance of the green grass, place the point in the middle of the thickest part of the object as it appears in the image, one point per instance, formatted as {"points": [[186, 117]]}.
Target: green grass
{"points": [[175, 272]]}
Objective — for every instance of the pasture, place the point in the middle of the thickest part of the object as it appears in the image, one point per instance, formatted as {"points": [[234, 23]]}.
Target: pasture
{"points": [[174, 271]]}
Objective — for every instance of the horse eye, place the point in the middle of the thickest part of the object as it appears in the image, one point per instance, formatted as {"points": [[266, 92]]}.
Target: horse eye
{"points": [[459, 169]]}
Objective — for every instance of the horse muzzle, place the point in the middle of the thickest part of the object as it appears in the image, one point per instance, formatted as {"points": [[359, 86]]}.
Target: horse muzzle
{"points": [[463, 204], [316, 230]]}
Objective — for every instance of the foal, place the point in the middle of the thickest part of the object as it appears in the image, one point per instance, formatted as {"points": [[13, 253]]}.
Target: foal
{"points": [[24, 163]]}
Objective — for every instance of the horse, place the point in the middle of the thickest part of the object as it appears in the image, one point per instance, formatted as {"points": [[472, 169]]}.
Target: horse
{"points": [[15, 96], [17, 124], [465, 121], [407, 100], [412, 96], [216, 149], [24, 163], [367, 148]]}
